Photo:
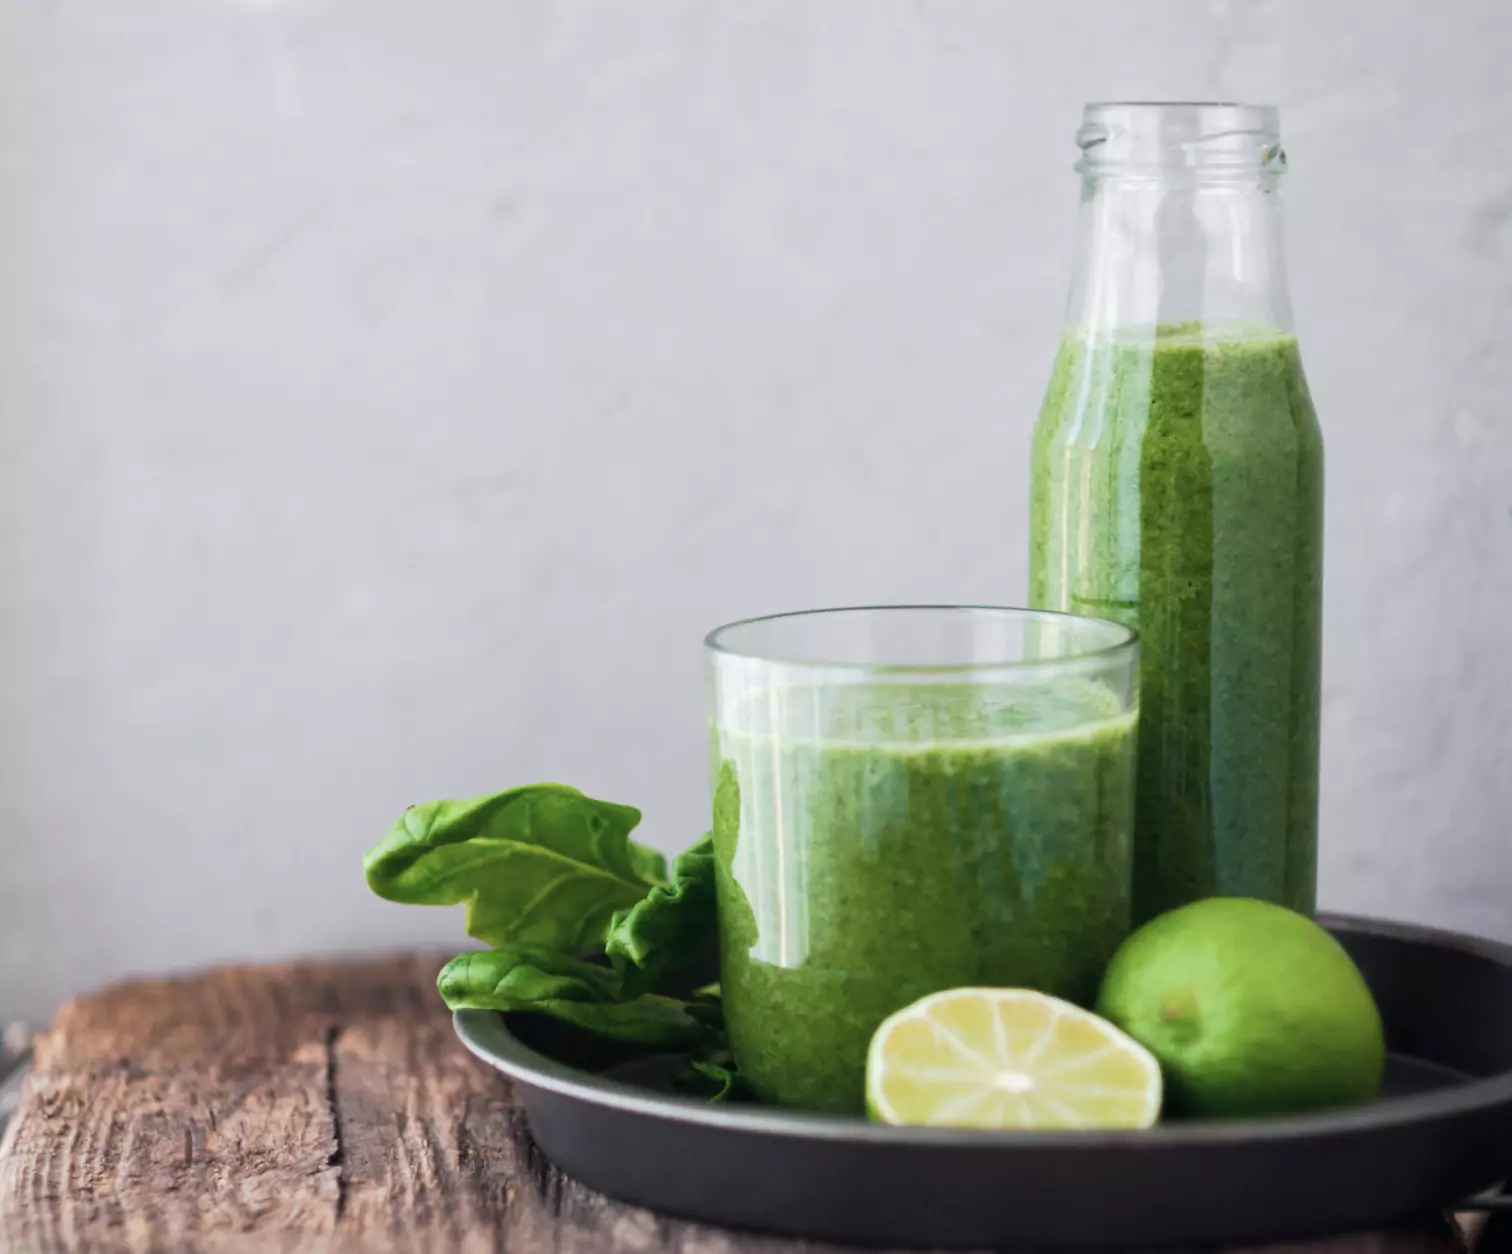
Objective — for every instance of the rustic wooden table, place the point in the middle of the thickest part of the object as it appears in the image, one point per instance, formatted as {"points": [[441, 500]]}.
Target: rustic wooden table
{"points": [[319, 1107]]}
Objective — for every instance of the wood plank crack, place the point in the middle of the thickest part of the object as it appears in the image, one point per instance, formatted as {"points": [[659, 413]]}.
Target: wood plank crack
{"points": [[337, 1159]]}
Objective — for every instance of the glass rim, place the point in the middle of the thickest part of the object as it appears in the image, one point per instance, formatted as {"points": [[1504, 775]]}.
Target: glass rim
{"points": [[1124, 646]]}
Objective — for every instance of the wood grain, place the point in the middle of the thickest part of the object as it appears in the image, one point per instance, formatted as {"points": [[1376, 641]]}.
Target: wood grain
{"points": [[320, 1107]]}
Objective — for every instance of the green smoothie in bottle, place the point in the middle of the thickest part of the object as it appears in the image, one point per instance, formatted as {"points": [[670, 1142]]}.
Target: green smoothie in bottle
{"points": [[1178, 488]]}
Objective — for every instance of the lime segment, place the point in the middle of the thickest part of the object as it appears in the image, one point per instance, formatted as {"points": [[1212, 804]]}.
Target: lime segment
{"points": [[1008, 1058]]}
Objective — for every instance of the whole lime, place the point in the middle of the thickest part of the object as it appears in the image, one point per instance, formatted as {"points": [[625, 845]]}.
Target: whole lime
{"points": [[1251, 1009]]}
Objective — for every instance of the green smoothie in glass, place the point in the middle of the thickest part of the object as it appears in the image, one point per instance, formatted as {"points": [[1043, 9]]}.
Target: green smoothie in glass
{"points": [[884, 833]]}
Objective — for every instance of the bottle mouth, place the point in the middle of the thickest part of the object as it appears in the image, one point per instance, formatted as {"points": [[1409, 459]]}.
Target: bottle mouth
{"points": [[1166, 137]]}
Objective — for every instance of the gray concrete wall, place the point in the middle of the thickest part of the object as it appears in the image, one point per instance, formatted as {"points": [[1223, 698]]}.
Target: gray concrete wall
{"points": [[390, 397]]}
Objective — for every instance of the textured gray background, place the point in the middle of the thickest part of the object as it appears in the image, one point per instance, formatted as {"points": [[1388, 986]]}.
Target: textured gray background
{"points": [[389, 403]]}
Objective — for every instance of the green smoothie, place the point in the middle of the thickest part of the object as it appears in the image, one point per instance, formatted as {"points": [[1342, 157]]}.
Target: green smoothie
{"points": [[1178, 488], [877, 842]]}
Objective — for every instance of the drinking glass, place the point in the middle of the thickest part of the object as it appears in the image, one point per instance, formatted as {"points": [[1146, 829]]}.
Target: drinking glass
{"points": [[908, 799]]}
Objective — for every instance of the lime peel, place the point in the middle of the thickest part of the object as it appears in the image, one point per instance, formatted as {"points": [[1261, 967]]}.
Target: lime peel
{"points": [[1252, 1010]]}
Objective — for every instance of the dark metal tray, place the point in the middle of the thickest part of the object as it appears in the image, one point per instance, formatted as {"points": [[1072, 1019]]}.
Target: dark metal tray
{"points": [[1442, 1131]]}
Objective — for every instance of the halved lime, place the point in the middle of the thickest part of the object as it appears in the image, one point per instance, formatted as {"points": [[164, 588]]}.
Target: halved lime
{"points": [[1008, 1058]]}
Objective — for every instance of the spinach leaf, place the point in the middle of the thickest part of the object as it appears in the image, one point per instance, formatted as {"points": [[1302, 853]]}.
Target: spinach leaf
{"points": [[528, 978], [516, 975], [649, 864], [670, 927], [542, 864], [656, 1023], [714, 1079], [548, 874]]}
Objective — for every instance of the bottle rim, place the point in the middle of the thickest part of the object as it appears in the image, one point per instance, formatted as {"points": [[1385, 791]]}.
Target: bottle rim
{"points": [[1204, 138]]}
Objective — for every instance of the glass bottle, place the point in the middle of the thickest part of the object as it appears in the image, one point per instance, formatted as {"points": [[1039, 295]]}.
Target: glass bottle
{"points": [[1178, 488]]}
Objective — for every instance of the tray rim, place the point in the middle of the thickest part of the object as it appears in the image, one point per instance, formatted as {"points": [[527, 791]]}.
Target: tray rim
{"points": [[487, 1036]]}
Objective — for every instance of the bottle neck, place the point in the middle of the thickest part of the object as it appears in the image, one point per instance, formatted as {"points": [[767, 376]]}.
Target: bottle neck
{"points": [[1180, 223]]}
